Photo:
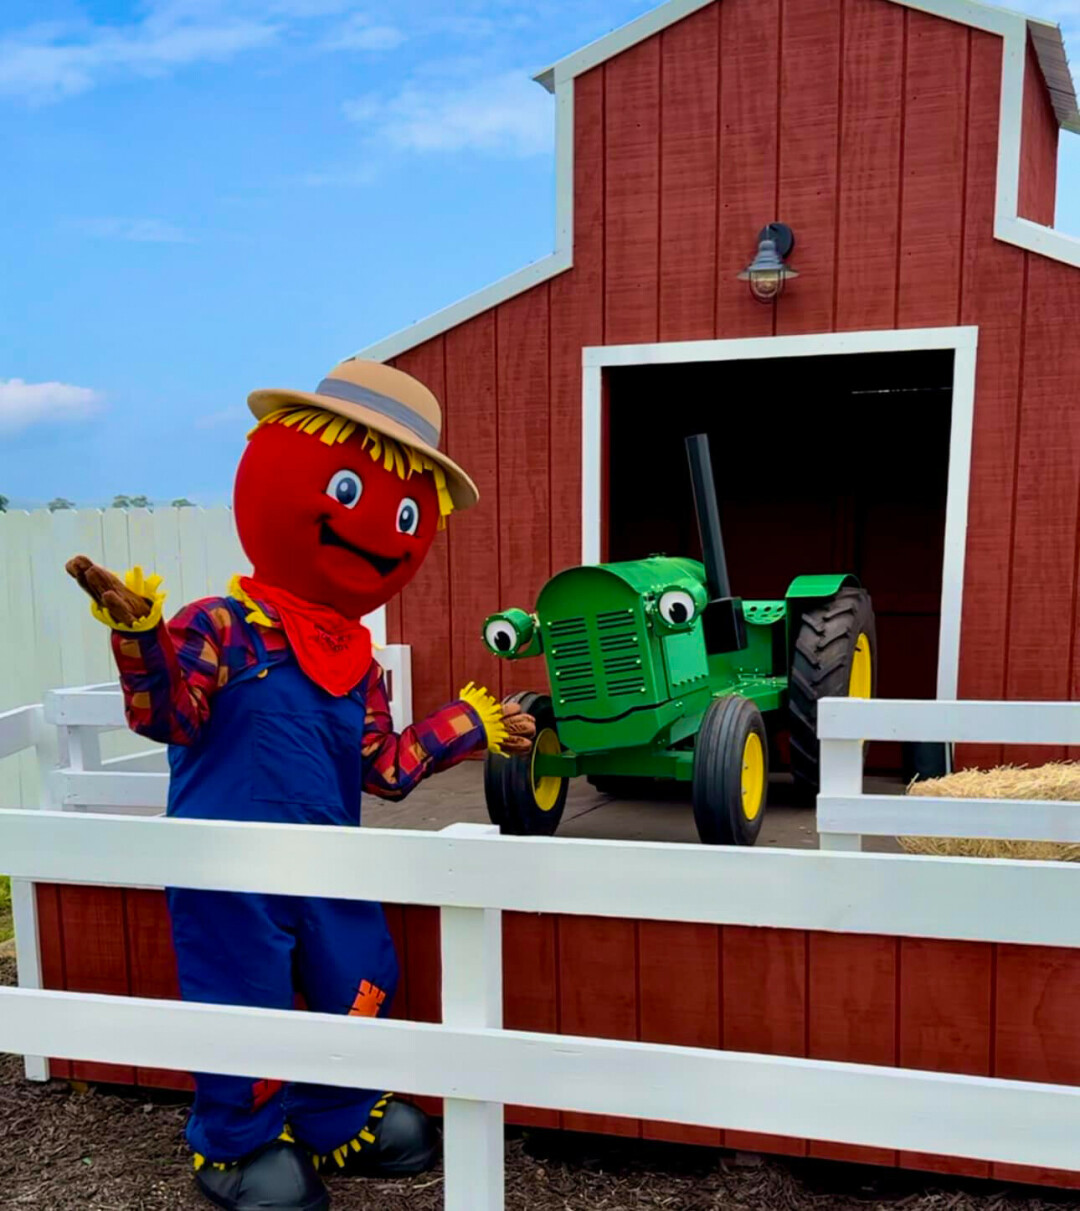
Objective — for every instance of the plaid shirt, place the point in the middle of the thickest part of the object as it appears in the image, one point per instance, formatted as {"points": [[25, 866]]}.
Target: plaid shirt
{"points": [[170, 675]]}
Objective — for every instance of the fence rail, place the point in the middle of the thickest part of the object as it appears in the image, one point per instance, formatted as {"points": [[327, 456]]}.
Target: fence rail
{"points": [[845, 815], [472, 875], [974, 899], [1016, 1122]]}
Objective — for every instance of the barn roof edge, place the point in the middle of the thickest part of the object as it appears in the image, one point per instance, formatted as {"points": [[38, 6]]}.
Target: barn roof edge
{"points": [[1045, 34]]}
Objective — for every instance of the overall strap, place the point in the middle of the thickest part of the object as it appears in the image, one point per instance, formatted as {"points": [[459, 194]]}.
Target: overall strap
{"points": [[239, 613]]}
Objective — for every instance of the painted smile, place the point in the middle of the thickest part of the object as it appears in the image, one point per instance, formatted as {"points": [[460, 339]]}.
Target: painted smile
{"points": [[383, 564]]}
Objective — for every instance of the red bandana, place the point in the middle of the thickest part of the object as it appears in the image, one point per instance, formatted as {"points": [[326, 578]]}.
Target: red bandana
{"points": [[333, 651]]}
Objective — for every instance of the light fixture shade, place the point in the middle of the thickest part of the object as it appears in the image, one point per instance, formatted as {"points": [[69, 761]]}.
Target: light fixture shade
{"points": [[767, 273]]}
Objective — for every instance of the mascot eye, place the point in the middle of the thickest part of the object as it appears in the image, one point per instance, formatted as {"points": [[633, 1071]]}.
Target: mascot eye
{"points": [[500, 636], [408, 516], [677, 607], [345, 487]]}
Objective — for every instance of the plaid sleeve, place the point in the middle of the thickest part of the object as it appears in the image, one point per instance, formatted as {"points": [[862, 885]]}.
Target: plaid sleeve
{"points": [[395, 764], [168, 675]]}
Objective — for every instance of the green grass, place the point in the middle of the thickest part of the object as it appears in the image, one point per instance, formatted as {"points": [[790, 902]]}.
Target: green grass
{"points": [[6, 926]]}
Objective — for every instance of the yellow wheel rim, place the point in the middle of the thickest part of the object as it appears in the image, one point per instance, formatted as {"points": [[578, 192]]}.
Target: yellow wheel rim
{"points": [[861, 681], [753, 776], [546, 789]]}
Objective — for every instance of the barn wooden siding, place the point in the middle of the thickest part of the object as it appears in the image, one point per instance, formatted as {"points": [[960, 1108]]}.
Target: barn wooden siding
{"points": [[873, 130], [1006, 1011]]}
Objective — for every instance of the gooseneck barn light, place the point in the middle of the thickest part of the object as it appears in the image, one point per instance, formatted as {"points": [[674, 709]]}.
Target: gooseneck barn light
{"points": [[767, 273]]}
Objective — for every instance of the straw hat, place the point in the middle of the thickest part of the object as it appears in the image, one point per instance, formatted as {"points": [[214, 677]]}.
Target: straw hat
{"points": [[389, 401]]}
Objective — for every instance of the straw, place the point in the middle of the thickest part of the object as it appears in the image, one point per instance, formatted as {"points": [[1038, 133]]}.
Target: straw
{"points": [[1058, 780]]}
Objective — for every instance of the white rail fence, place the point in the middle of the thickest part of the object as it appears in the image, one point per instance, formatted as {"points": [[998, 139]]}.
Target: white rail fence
{"points": [[80, 779], [845, 815], [472, 875], [47, 637]]}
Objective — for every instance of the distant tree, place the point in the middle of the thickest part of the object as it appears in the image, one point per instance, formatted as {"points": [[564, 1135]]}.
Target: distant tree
{"points": [[183, 503], [131, 502], [4, 502], [60, 502], [140, 502], [121, 502]]}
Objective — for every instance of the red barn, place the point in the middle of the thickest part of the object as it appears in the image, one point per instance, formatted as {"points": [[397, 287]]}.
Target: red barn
{"points": [[931, 444], [906, 410]]}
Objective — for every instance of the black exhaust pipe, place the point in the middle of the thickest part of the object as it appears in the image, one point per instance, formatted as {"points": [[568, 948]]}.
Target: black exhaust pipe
{"points": [[723, 622], [708, 516]]}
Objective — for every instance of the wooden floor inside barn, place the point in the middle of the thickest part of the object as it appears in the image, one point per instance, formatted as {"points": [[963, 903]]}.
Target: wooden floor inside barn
{"points": [[458, 795]]}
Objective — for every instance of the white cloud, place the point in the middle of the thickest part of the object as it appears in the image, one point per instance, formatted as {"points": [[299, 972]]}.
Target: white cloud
{"points": [[137, 231], [43, 66], [358, 33], [48, 62], [505, 114], [23, 404]]}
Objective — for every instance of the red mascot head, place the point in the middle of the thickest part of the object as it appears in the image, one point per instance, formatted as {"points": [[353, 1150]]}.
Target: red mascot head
{"points": [[340, 492]]}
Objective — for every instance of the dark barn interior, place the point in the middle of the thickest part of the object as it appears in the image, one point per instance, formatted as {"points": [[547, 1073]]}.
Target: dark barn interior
{"points": [[835, 463]]}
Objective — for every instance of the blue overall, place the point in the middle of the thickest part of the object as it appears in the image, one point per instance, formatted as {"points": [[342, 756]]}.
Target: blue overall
{"points": [[276, 748]]}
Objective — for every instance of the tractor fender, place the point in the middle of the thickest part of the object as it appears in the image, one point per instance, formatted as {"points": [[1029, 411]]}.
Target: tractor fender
{"points": [[820, 587], [806, 591]]}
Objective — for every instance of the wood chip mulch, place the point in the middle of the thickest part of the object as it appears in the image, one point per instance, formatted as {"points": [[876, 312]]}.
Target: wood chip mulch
{"points": [[115, 1150]]}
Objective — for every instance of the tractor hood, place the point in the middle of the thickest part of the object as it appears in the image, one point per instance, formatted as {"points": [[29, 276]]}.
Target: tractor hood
{"points": [[621, 641]]}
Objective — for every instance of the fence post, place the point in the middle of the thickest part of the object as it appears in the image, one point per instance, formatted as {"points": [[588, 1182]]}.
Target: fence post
{"points": [[396, 660], [474, 1160], [24, 896], [841, 765]]}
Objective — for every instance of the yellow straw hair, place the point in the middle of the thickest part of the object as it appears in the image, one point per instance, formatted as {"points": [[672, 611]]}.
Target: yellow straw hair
{"points": [[333, 430]]}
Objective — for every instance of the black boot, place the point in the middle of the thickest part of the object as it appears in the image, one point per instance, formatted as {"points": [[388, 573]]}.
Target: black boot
{"points": [[399, 1141], [278, 1177]]}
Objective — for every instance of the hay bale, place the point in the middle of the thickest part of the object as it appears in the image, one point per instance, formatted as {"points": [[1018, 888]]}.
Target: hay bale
{"points": [[1058, 780]]}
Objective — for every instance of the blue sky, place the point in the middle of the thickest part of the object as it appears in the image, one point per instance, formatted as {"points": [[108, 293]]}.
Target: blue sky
{"points": [[206, 196]]}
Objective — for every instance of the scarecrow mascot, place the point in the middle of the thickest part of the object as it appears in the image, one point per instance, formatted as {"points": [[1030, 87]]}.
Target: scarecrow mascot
{"points": [[274, 709]]}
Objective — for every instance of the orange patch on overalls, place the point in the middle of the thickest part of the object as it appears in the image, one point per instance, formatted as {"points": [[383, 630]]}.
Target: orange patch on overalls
{"points": [[368, 1001]]}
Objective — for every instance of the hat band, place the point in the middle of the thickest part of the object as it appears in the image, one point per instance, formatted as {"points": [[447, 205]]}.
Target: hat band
{"points": [[393, 409]]}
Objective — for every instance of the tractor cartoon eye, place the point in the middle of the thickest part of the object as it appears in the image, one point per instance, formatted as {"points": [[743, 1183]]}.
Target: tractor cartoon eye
{"points": [[677, 607], [345, 487], [501, 636], [512, 634]]}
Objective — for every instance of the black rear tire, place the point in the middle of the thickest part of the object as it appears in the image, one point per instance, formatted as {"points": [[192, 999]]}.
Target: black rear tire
{"points": [[821, 667], [729, 795], [516, 802]]}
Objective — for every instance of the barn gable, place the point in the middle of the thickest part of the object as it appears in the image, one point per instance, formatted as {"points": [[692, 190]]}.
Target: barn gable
{"points": [[911, 147], [1035, 73]]}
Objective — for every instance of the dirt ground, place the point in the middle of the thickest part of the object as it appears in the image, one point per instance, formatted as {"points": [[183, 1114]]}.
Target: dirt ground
{"points": [[106, 1150]]}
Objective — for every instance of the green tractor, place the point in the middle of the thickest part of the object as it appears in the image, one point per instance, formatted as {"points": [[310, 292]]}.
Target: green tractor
{"points": [[658, 672]]}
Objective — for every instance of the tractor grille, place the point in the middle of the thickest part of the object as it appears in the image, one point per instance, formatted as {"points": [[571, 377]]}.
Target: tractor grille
{"points": [[620, 648], [574, 674], [573, 679]]}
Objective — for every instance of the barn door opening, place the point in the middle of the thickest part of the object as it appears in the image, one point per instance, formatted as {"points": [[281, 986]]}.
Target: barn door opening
{"points": [[828, 463]]}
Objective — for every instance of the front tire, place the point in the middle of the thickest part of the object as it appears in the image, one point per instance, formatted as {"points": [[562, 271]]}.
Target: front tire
{"points": [[731, 772], [835, 657], [521, 804]]}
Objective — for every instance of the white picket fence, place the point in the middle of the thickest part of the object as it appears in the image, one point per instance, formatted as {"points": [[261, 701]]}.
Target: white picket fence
{"points": [[472, 875], [47, 637]]}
